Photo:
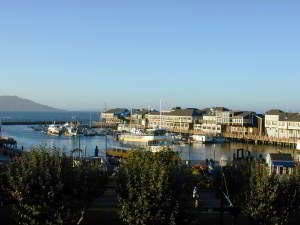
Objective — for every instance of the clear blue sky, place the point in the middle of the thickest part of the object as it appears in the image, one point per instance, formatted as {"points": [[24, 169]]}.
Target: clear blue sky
{"points": [[81, 54]]}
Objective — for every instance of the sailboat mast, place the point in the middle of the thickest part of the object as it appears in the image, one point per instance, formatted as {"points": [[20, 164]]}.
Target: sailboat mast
{"points": [[160, 113], [130, 118]]}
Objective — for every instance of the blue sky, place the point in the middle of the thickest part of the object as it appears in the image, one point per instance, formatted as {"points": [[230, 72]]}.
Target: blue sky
{"points": [[83, 54]]}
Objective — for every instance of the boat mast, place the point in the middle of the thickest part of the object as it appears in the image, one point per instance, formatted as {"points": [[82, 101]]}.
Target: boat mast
{"points": [[90, 120], [160, 113], [130, 123], [0, 127]]}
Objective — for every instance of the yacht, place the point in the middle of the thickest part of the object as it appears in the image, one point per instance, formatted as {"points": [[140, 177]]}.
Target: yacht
{"points": [[203, 138], [69, 130], [54, 129], [147, 136]]}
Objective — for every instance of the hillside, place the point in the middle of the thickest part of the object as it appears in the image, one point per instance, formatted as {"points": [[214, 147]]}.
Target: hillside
{"points": [[17, 104]]}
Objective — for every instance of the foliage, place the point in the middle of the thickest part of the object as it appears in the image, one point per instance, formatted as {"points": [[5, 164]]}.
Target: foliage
{"points": [[271, 199], [264, 198], [47, 189], [153, 188], [234, 180]]}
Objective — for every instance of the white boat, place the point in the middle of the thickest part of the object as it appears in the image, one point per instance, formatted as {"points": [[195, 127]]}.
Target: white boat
{"points": [[69, 130], [203, 139], [148, 136], [54, 129]]}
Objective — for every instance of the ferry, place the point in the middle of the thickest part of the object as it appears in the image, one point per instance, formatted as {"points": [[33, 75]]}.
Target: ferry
{"points": [[147, 136]]}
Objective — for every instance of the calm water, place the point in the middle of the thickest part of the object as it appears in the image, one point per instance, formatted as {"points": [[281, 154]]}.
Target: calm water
{"points": [[28, 138], [45, 116]]}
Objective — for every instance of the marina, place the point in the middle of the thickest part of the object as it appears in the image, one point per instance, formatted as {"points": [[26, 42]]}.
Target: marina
{"points": [[27, 138]]}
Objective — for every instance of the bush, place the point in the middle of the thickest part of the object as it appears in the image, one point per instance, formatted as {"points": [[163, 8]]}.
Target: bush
{"points": [[153, 188], [46, 188], [271, 199]]}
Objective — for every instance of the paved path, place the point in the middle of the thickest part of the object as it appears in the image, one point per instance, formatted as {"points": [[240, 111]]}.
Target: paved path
{"points": [[104, 211]]}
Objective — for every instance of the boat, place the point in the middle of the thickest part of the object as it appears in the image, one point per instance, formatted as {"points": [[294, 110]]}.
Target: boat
{"points": [[69, 130], [146, 136], [89, 132], [219, 140], [54, 129], [203, 139]]}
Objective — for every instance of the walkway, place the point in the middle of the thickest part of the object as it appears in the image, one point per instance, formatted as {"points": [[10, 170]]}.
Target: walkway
{"points": [[104, 210]]}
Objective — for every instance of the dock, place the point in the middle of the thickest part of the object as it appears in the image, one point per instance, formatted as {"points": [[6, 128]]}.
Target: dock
{"points": [[248, 138]]}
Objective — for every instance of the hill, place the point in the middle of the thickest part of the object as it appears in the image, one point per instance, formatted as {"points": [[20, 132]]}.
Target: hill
{"points": [[17, 104]]}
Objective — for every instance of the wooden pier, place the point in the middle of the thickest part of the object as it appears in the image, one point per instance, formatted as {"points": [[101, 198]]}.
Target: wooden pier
{"points": [[247, 138]]}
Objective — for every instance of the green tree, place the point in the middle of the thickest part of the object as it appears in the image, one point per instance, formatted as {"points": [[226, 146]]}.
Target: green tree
{"points": [[271, 199], [153, 188], [48, 189]]}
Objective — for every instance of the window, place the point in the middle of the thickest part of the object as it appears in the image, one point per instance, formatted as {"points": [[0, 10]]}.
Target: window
{"points": [[281, 170]]}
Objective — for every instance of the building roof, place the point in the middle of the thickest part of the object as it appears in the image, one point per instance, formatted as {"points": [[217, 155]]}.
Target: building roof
{"points": [[140, 111], [281, 157], [220, 109], [117, 110], [284, 116], [243, 113], [180, 112], [274, 112]]}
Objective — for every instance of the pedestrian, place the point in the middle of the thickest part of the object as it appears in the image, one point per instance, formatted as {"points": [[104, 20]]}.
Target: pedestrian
{"points": [[196, 197], [96, 151]]}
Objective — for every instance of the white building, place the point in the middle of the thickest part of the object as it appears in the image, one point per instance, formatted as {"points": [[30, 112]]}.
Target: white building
{"points": [[281, 124], [177, 119], [280, 163]]}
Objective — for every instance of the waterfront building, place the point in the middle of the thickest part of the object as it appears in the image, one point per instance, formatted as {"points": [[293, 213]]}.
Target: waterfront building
{"points": [[218, 115], [138, 117], [243, 118], [114, 116], [176, 119], [210, 128], [221, 119], [280, 163], [244, 123], [282, 124]]}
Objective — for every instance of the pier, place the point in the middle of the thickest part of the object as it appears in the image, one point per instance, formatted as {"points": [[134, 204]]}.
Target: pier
{"points": [[247, 138]]}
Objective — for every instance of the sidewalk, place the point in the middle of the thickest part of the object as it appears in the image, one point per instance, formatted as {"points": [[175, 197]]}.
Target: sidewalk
{"points": [[104, 210]]}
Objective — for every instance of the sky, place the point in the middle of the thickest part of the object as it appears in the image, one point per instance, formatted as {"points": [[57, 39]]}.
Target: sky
{"points": [[84, 55]]}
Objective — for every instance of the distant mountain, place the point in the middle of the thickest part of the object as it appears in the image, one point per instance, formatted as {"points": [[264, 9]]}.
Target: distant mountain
{"points": [[17, 104]]}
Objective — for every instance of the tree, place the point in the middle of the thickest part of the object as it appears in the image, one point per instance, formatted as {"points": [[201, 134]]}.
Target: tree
{"points": [[153, 188], [271, 199], [48, 189]]}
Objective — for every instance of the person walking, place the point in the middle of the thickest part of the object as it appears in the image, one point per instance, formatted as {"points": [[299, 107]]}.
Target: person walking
{"points": [[196, 197]]}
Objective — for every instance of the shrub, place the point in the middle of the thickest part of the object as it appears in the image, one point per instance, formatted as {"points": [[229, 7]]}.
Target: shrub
{"points": [[153, 188], [47, 188]]}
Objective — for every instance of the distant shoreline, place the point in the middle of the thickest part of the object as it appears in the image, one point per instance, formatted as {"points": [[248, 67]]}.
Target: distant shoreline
{"points": [[32, 123]]}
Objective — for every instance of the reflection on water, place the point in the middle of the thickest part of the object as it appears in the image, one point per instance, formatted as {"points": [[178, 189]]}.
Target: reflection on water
{"points": [[28, 138]]}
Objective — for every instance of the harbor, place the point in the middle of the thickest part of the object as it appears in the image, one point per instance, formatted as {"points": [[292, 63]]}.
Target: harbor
{"points": [[27, 138]]}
